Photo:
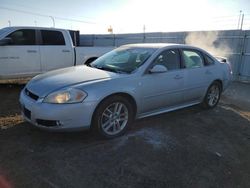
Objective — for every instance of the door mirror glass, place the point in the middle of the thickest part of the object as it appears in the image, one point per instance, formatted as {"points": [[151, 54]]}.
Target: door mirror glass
{"points": [[158, 69], [5, 41]]}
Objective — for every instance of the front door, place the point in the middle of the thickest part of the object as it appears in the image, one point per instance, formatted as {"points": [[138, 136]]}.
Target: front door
{"points": [[21, 56], [163, 90]]}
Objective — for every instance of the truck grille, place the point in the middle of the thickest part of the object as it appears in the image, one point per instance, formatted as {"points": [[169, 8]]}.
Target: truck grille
{"points": [[30, 94]]}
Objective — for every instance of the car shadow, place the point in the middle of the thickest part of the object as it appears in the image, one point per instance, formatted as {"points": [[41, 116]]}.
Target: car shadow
{"points": [[191, 115]]}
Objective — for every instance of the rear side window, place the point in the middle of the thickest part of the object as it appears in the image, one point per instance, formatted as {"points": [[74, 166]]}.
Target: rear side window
{"points": [[23, 37], [208, 60], [169, 58], [192, 59], [52, 38]]}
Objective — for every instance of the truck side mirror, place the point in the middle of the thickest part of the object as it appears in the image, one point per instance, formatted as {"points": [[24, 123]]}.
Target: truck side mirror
{"points": [[5, 41]]}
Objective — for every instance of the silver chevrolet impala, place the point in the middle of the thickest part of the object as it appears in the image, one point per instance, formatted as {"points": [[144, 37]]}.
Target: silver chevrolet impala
{"points": [[130, 82]]}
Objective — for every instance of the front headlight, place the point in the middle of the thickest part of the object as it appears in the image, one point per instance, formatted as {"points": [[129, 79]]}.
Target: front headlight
{"points": [[70, 95]]}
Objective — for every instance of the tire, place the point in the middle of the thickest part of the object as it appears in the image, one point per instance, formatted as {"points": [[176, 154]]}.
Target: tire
{"points": [[212, 96], [113, 117]]}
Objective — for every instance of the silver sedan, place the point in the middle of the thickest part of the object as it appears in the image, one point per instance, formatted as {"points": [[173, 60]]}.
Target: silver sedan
{"points": [[130, 82]]}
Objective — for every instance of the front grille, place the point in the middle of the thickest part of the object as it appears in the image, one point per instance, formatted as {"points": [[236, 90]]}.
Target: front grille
{"points": [[30, 94], [47, 123], [26, 113]]}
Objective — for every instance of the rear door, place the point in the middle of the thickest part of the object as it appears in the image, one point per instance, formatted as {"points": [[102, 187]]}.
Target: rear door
{"points": [[21, 56], [56, 51], [198, 76], [163, 90]]}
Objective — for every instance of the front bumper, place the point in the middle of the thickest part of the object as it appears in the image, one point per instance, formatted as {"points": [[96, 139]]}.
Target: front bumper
{"points": [[57, 117]]}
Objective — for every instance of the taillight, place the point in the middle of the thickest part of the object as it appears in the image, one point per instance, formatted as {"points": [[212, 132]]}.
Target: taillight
{"points": [[230, 67]]}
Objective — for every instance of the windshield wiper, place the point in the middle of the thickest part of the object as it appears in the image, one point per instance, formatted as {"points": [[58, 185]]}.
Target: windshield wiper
{"points": [[110, 69], [89, 65]]}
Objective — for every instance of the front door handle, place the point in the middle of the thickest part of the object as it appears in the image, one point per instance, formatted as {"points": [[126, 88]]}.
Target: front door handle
{"points": [[31, 51], [177, 77], [65, 50]]}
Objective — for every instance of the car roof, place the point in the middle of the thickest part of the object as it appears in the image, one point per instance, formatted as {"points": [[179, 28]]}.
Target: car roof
{"points": [[31, 27], [163, 46], [160, 45]]}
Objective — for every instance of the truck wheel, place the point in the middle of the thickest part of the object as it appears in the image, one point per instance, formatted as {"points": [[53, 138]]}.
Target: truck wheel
{"points": [[113, 116], [212, 96]]}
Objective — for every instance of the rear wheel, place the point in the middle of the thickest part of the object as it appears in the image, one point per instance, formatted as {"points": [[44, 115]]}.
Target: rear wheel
{"points": [[212, 96], [113, 116]]}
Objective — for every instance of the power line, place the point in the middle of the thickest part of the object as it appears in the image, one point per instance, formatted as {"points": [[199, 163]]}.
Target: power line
{"points": [[44, 15], [74, 20], [227, 16], [22, 11]]}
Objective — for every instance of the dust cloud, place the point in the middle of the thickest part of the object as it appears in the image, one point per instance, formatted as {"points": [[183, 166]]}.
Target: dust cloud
{"points": [[209, 42]]}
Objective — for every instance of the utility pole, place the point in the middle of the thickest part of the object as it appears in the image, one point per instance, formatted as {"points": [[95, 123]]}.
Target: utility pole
{"points": [[242, 19], [144, 33], [53, 20], [238, 27]]}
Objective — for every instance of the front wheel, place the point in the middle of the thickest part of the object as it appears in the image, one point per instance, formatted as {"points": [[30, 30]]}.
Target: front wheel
{"points": [[113, 116], [212, 96]]}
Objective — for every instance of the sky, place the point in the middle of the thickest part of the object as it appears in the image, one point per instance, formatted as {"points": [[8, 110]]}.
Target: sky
{"points": [[126, 16]]}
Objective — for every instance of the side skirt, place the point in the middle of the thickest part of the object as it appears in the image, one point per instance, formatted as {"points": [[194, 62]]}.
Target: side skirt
{"points": [[164, 110]]}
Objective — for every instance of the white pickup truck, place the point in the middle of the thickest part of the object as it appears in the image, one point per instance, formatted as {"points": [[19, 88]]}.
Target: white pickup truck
{"points": [[28, 51]]}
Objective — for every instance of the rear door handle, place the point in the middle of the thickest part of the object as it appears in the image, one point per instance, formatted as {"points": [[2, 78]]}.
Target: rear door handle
{"points": [[177, 77], [65, 50], [31, 51]]}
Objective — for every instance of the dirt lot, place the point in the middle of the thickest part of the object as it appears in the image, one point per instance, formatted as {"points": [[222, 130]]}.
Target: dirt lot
{"points": [[185, 148]]}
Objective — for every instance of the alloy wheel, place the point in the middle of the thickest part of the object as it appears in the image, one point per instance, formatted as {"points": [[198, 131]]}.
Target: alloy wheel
{"points": [[114, 118], [213, 95]]}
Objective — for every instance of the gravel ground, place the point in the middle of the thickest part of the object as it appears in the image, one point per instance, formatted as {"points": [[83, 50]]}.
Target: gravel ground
{"points": [[186, 148]]}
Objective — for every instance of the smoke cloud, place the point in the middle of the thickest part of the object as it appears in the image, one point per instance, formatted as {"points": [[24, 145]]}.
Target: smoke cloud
{"points": [[209, 42]]}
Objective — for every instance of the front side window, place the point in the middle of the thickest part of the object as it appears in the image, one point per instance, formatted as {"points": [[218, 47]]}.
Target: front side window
{"points": [[169, 58], [123, 59], [52, 37], [23, 37], [192, 59]]}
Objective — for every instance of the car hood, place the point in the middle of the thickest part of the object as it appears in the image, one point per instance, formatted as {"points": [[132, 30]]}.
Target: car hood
{"points": [[46, 83]]}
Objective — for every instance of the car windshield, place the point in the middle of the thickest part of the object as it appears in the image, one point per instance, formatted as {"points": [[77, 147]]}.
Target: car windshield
{"points": [[123, 59]]}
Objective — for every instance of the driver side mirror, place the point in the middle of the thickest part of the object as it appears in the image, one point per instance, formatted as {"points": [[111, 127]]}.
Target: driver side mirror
{"points": [[158, 69], [5, 41]]}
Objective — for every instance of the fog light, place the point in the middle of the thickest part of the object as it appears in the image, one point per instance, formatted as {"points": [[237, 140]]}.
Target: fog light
{"points": [[48, 123], [58, 123]]}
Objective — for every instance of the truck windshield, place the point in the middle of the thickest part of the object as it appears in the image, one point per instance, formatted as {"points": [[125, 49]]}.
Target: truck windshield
{"points": [[2, 31], [123, 60]]}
